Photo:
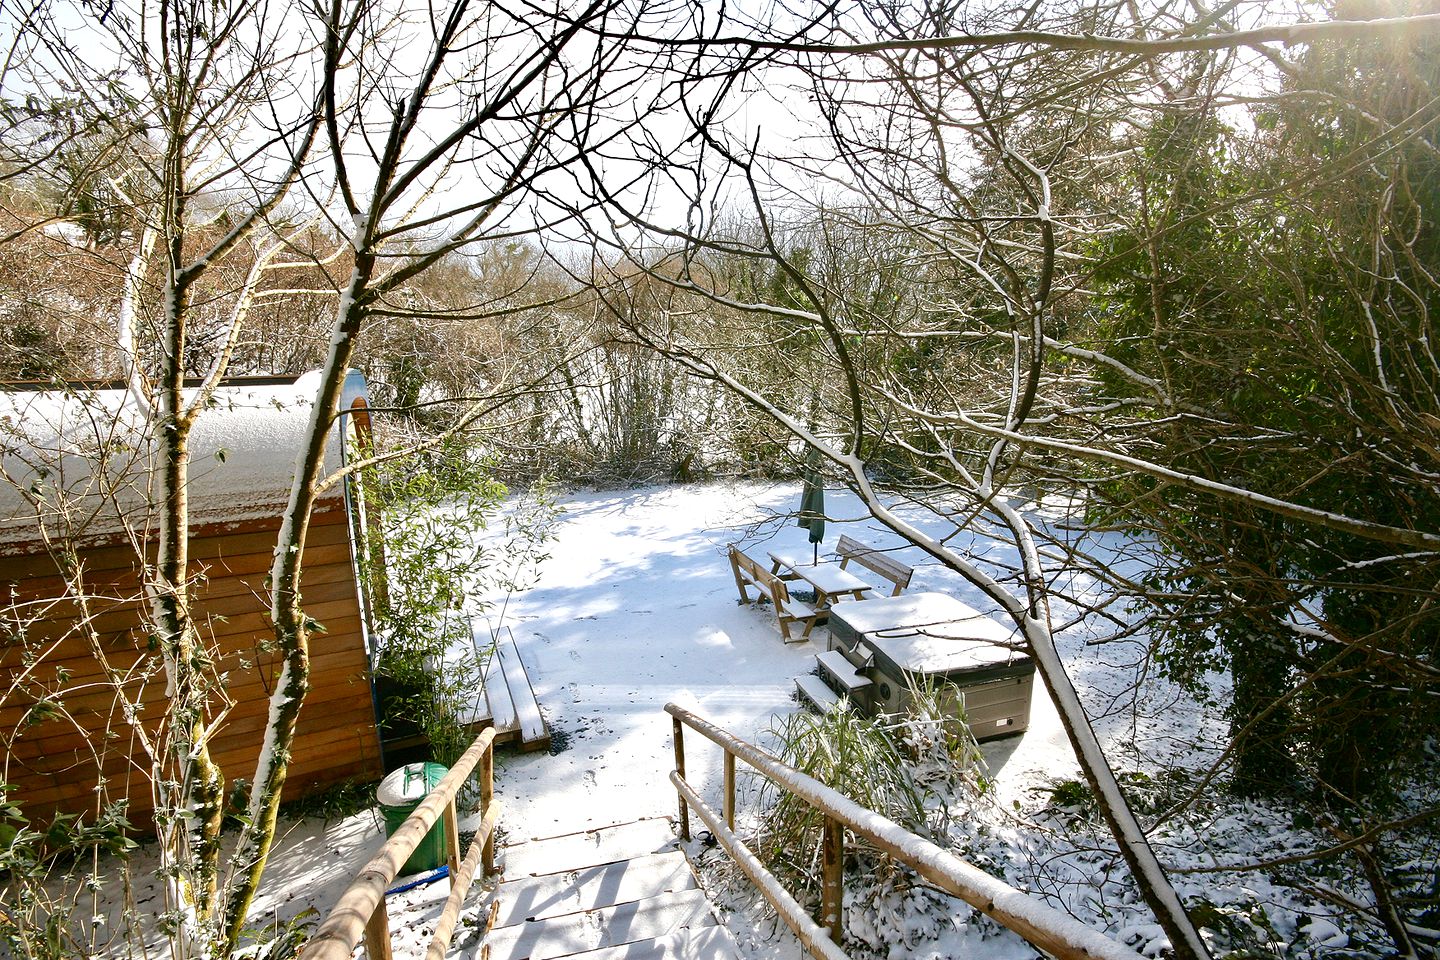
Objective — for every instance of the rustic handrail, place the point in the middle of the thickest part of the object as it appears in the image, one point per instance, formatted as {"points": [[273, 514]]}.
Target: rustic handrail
{"points": [[1056, 933], [360, 911], [811, 935]]}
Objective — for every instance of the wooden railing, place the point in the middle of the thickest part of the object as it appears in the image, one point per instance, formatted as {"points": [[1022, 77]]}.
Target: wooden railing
{"points": [[360, 911], [1056, 933]]}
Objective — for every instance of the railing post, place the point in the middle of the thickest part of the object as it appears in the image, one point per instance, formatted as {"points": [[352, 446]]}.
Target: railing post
{"points": [[730, 790], [377, 934], [487, 797], [832, 876], [452, 840], [680, 769]]}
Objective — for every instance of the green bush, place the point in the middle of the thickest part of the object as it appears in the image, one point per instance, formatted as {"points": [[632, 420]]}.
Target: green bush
{"points": [[35, 911], [907, 768], [434, 560]]}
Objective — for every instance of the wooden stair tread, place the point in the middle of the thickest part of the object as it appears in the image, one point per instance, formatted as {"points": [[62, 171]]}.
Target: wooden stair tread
{"points": [[833, 664], [691, 943], [589, 930], [604, 885], [814, 691], [588, 848]]}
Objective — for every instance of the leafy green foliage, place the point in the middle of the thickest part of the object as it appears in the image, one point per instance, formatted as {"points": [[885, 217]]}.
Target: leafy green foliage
{"points": [[1289, 326], [903, 768], [281, 939], [1238, 931], [430, 563], [35, 921], [1072, 800], [337, 802]]}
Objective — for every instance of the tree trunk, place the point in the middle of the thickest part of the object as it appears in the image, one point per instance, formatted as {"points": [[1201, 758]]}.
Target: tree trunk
{"points": [[292, 636], [192, 830]]}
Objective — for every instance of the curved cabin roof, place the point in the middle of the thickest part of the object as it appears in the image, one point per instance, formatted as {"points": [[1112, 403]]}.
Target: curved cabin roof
{"points": [[79, 461]]}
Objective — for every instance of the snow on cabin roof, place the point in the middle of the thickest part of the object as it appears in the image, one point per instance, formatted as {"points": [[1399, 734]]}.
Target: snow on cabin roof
{"points": [[79, 461]]}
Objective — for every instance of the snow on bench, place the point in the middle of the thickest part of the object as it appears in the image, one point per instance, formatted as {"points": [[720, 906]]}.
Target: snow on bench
{"points": [[876, 561], [788, 611]]}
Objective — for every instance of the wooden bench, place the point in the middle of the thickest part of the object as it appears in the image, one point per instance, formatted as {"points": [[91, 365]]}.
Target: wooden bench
{"points": [[876, 561], [788, 612]]}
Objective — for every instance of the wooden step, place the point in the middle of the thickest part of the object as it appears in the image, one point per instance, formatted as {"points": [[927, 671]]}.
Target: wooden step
{"points": [[497, 691], [606, 885], [642, 920], [840, 672], [692, 943], [534, 734], [588, 848], [813, 691]]}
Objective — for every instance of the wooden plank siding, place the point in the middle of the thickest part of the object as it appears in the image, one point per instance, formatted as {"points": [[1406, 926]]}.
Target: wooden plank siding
{"points": [[57, 756]]}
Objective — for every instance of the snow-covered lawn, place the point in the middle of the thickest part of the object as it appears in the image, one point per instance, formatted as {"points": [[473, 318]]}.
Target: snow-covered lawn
{"points": [[637, 607]]}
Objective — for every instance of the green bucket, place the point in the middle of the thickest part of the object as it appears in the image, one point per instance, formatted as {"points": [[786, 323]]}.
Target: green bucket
{"points": [[399, 794]]}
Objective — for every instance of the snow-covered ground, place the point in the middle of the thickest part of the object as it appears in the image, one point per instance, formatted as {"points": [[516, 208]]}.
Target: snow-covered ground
{"points": [[636, 607]]}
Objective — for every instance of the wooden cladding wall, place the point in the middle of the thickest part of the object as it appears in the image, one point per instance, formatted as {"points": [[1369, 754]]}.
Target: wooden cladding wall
{"points": [[65, 663]]}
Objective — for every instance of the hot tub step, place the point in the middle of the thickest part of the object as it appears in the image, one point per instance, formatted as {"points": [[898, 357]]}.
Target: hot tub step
{"points": [[813, 691]]}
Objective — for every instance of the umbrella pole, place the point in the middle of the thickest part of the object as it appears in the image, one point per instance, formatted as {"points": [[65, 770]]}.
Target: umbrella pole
{"points": [[816, 545]]}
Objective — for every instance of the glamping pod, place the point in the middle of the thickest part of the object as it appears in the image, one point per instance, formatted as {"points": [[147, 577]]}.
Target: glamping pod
{"points": [[82, 685]]}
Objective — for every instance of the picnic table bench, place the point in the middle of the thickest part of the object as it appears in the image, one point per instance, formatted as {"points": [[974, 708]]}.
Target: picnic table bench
{"points": [[831, 582], [788, 611], [876, 561]]}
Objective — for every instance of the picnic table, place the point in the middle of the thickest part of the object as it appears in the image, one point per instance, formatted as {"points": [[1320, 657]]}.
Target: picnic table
{"points": [[830, 581]]}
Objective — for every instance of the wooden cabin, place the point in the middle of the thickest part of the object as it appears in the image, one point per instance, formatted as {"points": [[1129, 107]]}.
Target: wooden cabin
{"points": [[74, 651]]}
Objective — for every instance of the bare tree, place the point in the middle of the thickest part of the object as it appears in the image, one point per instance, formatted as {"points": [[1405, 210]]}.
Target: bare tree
{"points": [[423, 168], [987, 158], [215, 160]]}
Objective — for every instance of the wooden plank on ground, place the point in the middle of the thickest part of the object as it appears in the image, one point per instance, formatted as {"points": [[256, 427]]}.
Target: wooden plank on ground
{"points": [[497, 691], [534, 735]]}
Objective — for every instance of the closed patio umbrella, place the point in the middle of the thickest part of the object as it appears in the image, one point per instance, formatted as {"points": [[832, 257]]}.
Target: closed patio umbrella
{"points": [[812, 504]]}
